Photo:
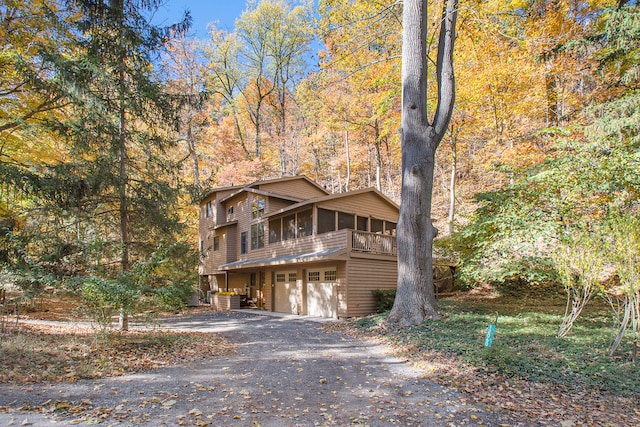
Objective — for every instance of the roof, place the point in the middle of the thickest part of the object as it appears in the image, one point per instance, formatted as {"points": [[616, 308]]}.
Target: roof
{"points": [[252, 187], [317, 200], [219, 189], [288, 178], [263, 193], [287, 259]]}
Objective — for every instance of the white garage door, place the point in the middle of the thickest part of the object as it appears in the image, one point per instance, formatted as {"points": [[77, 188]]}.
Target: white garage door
{"points": [[285, 292], [322, 298]]}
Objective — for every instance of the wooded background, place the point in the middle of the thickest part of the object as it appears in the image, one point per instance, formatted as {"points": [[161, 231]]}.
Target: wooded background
{"points": [[111, 128]]}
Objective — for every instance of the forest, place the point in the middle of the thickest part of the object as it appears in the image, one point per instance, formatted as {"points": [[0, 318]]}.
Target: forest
{"points": [[112, 127]]}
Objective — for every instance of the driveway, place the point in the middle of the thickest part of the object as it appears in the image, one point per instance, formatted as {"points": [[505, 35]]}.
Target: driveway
{"points": [[287, 371]]}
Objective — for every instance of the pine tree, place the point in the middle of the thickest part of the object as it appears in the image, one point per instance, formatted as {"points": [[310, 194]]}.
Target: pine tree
{"points": [[118, 124]]}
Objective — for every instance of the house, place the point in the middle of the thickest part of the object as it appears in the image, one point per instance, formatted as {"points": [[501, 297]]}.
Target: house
{"points": [[291, 247]]}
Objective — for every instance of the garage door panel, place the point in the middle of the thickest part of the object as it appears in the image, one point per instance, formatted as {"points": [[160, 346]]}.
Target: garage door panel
{"points": [[322, 300], [285, 300]]}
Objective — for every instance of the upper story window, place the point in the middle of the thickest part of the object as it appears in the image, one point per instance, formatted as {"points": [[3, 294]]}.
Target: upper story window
{"points": [[208, 210], [289, 227], [377, 225], [275, 230], [345, 220], [390, 228], [243, 242], [305, 223], [230, 214], [361, 223], [216, 243], [257, 236], [257, 208], [326, 221]]}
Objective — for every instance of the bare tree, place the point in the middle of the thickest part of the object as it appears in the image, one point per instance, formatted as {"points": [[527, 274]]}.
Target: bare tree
{"points": [[415, 298]]}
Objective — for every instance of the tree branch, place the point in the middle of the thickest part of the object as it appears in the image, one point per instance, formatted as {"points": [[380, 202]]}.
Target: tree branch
{"points": [[444, 68]]}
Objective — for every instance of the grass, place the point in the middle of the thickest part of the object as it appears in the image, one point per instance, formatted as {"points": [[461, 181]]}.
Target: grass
{"points": [[525, 345], [48, 353]]}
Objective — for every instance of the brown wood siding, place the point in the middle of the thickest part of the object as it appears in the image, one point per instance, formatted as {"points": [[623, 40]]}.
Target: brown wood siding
{"points": [[237, 282], [366, 204], [309, 244], [231, 241], [221, 208], [299, 188], [226, 253], [241, 213], [269, 286], [364, 276], [275, 204]]}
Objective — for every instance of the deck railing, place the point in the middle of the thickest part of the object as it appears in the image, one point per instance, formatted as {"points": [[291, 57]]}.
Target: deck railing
{"points": [[374, 243]]}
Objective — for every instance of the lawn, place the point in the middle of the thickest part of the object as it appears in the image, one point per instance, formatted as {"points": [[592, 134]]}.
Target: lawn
{"points": [[525, 343], [528, 370]]}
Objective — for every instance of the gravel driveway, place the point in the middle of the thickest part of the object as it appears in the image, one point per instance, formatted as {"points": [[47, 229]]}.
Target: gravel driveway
{"points": [[287, 371]]}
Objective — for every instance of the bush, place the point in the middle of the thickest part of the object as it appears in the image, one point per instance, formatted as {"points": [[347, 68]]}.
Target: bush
{"points": [[384, 299]]}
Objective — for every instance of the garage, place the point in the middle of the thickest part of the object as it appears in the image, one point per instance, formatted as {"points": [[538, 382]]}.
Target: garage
{"points": [[285, 292], [322, 298]]}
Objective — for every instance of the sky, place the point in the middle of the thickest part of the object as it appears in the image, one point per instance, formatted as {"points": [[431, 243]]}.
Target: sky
{"points": [[202, 12]]}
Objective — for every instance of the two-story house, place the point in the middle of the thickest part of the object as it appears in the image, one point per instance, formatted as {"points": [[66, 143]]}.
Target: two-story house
{"points": [[291, 247]]}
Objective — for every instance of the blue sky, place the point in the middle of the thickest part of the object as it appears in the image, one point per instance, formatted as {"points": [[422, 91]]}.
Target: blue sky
{"points": [[202, 12]]}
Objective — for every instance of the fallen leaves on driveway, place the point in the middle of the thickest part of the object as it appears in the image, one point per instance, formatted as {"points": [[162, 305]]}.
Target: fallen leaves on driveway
{"points": [[57, 353]]}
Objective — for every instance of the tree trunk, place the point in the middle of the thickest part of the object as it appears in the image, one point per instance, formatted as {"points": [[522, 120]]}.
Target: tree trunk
{"points": [[348, 155], [378, 156], [123, 173], [191, 143], [452, 185], [415, 297]]}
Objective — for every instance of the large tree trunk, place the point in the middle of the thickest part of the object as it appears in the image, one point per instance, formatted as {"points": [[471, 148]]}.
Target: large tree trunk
{"points": [[415, 297]]}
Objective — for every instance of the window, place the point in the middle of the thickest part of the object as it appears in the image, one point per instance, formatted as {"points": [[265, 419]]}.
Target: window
{"points": [[216, 243], [289, 227], [305, 223], [281, 277], [275, 230], [243, 242], [345, 220], [230, 211], [201, 246], [376, 225], [257, 236], [326, 221], [362, 223], [257, 208], [208, 210], [390, 228], [330, 275], [314, 276], [293, 277]]}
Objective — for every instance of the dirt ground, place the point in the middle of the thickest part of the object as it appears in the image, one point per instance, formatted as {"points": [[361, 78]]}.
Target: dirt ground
{"points": [[287, 371]]}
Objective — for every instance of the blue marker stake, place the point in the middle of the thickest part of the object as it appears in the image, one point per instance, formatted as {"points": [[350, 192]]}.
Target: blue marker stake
{"points": [[491, 330]]}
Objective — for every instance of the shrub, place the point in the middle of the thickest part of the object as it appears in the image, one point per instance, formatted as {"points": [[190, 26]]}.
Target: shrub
{"points": [[384, 299]]}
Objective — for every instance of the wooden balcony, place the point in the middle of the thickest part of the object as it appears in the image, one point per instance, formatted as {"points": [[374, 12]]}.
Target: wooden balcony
{"points": [[372, 243]]}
